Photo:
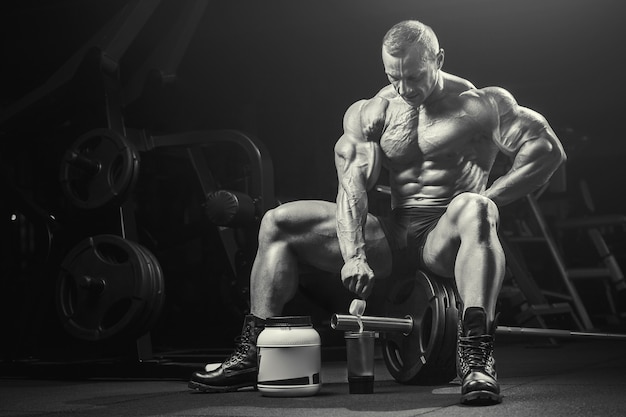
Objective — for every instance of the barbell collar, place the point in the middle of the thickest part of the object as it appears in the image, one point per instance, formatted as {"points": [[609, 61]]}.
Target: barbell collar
{"points": [[349, 322]]}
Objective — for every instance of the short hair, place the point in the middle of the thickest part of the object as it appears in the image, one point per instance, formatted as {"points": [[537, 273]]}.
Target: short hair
{"points": [[408, 33]]}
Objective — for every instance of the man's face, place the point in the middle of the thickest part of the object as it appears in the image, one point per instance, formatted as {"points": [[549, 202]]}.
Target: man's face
{"points": [[412, 75]]}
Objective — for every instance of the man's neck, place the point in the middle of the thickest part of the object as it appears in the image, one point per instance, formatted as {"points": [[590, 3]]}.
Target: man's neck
{"points": [[438, 91]]}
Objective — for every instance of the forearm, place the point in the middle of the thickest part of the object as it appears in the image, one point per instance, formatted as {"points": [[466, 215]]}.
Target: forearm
{"points": [[352, 208], [516, 184], [532, 168]]}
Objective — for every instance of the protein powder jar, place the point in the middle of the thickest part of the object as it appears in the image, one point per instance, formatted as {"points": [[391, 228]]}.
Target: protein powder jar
{"points": [[289, 357]]}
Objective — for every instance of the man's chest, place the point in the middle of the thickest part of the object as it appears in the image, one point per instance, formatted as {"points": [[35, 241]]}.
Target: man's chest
{"points": [[418, 134]]}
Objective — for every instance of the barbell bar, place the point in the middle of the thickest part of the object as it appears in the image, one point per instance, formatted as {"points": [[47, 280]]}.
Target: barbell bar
{"points": [[405, 325], [349, 322], [530, 331]]}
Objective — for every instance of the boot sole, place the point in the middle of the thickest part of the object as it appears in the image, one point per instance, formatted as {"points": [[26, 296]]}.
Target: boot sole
{"points": [[481, 398], [212, 388]]}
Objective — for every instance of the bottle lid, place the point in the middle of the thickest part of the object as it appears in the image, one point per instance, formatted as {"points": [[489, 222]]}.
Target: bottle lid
{"points": [[288, 321]]}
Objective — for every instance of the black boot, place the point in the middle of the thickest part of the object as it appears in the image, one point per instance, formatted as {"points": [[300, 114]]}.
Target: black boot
{"points": [[240, 370], [476, 365]]}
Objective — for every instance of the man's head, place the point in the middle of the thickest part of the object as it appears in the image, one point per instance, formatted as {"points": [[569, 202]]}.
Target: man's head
{"points": [[412, 60]]}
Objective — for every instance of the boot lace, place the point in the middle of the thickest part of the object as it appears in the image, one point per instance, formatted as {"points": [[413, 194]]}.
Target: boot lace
{"points": [[242, 346], [475, 353]]}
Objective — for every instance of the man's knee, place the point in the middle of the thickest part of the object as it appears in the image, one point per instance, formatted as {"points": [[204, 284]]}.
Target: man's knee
{"points": [[274, 224], [285, 221], [470, 209]]}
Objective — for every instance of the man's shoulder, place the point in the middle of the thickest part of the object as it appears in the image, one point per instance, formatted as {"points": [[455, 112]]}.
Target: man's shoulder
{"points": [[455, 84], [461, 93], [486, 100], [493, 94], [365, 115], [387, 93], [373, 108]]}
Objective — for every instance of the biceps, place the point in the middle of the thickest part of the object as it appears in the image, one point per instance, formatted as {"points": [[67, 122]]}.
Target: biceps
{"points": [[535, 150], [358, 163]]}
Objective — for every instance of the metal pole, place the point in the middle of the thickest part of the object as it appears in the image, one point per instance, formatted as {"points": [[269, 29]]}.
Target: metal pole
{"points": [[405, 325], [377, 324], [526, 331]]}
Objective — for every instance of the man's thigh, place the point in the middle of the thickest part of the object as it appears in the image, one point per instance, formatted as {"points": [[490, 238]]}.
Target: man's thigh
{"points": [[313, 236], [441, 247]]}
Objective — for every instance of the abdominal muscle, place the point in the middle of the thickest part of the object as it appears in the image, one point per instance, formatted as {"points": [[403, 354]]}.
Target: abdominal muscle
{"points": [[418, 186]]}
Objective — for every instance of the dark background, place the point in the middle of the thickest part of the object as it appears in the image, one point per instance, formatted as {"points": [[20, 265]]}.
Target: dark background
{"points": [[286, 70]]}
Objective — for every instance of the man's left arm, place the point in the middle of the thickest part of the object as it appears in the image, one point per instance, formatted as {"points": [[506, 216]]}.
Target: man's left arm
{"points": [[526, 137]]}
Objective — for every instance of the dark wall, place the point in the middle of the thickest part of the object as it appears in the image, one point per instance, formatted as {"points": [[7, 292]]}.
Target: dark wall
{"points": [[286, 70]]}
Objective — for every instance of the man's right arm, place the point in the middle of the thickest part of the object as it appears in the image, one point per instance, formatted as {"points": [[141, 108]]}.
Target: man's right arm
{"points": [[357, 159]]}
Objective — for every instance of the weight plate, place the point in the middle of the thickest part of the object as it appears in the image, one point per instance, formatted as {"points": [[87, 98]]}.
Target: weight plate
{"points": [[422, 356], [149, 289], [100, 168], [103, 288], [152, 310], [441, 368]]}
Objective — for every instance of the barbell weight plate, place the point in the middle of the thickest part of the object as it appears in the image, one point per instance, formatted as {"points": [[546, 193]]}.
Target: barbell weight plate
{"points": [[442, 366], [417, 358], [159, 291], [102, 288], [139, 326], [100, 168], [152, 310]]}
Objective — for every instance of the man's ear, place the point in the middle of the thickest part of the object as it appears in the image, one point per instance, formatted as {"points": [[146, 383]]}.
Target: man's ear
{"points": [[440, 58]]}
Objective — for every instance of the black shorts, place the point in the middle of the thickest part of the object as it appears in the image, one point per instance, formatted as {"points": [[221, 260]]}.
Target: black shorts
{"points": [[406, 231]]}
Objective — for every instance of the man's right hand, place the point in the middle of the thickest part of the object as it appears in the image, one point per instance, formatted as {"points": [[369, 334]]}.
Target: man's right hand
{"points": [[358, 277]]}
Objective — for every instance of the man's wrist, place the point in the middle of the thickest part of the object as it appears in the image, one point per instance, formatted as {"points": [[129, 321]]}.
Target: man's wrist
{"points": [[356, 258]]}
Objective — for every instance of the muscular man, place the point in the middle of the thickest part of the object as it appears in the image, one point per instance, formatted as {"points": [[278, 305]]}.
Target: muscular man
{"points": [[438, 137]]}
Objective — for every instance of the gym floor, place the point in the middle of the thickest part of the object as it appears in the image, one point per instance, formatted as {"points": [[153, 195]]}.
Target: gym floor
{"points": [[574, 378]]}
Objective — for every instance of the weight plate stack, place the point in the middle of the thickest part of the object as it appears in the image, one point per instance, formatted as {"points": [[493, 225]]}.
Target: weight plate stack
{"points": [[153, 309], [109, 286], [426, 356]]}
